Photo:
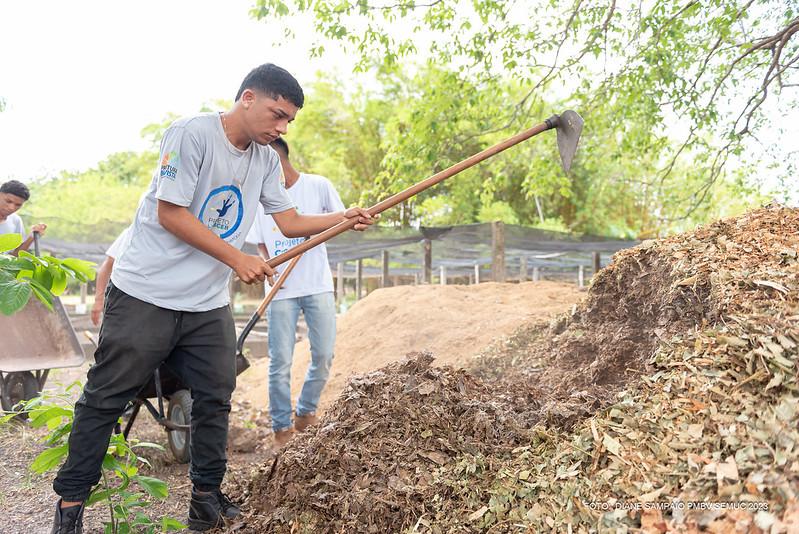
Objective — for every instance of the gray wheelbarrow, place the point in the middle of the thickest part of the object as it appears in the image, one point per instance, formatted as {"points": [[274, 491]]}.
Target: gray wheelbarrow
{"points": [[33, 341]]}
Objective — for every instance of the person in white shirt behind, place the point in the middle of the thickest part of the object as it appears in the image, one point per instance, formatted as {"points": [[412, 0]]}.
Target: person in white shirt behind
{"points": [[308, 289], [104, 273]]}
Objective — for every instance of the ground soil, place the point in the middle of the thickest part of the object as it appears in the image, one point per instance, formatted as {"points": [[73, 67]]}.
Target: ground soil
{"points": [[28, 500], [454, 323]]}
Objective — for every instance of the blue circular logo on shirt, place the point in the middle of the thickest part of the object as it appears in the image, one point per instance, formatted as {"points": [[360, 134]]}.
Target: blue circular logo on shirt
{"points": [[223, 210]]}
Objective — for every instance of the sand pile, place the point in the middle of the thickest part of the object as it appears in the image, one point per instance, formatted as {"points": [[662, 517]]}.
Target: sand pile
{"points": [[454, 323], [675, 384]]}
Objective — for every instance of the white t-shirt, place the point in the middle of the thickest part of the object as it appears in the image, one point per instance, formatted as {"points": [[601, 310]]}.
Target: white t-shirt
{"points": [[119, 245], [13, 225], [312, 195], [221, 186]]}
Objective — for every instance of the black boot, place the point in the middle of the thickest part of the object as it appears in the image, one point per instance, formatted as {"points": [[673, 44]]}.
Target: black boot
{"points": [[68, 520], [229, 509], [209, 509]]}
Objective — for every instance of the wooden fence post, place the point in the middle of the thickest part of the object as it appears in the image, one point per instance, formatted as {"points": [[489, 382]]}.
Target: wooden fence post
{"points": [[339, 282], [442, 275], [476, 273], [523, 269], [536, 274], [358, 278], [580, 276], [498, 251], [596, 261], [384, 281], [428, 261]]}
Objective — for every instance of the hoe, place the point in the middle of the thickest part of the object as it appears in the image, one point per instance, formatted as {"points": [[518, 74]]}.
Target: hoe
{"points": [[568, 125]]}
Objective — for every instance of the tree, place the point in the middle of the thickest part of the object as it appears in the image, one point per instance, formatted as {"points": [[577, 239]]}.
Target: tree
{"points": [[407, 128], [340, 136], [699, 73]]}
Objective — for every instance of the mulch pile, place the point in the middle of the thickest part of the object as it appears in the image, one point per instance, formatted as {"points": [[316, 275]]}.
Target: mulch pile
{"points": [[384, 452], [667, 402]]}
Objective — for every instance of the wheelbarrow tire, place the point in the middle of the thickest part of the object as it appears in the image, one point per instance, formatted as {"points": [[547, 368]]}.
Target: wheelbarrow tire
{"points": [[180, 412], [17, 387]]}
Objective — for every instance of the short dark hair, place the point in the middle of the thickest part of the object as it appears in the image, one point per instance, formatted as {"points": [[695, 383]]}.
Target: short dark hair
{"points": [[16, 188], [274, 82], [280, 144]]}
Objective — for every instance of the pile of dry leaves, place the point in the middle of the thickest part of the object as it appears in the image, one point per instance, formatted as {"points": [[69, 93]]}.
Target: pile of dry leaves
{"points": [[376, 462], [662, 404]]}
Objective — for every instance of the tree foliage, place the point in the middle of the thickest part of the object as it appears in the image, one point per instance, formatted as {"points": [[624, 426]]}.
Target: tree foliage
{"points": [[375, 143], [682, 84]]}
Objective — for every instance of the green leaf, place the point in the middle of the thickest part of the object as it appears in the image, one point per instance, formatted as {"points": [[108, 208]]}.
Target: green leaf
{"points": [[59, 280], [21, 263], [140, 519], [153, 486], [8, 417], [14, 294], [56, 436], [100, 494], [49, 458], [43, 276], [110, 462], [9, 242], [135, 500], [41, 293], [43, 417], [170, 523], [85, 268], [149, 445], [25, 274]]}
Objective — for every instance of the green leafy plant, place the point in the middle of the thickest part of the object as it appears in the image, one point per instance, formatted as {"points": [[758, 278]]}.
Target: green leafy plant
{"points": [[43, 276], [122, 488]]}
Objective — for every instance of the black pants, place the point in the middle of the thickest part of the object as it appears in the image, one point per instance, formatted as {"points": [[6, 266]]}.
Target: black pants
{"points": [[135, 338]]}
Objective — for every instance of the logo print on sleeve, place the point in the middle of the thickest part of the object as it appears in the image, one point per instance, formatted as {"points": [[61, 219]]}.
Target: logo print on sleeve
{"points": [[169, 165], [222, 210]]}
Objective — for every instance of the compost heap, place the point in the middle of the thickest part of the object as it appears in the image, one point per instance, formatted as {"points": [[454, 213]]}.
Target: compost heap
{"points": [[674, 383]]}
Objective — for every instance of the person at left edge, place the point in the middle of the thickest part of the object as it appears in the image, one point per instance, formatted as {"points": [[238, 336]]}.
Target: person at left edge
{"points": [[168, 299], [13, 194]]}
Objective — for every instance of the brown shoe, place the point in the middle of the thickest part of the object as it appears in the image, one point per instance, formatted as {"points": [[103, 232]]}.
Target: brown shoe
{"points": [[301, 422], [281, 437]]}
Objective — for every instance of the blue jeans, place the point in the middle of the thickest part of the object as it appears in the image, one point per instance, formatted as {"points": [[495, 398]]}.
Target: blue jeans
{"points": [[282, 315]]}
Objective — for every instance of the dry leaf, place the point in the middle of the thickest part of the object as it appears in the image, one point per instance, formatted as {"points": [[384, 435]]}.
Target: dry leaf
{"points": [[611, 445], [773, 285], [477, 514], [427, 388]]}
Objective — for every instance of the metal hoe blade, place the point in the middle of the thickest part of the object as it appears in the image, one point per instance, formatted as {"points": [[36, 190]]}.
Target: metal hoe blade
{"points": [[569, 126]]}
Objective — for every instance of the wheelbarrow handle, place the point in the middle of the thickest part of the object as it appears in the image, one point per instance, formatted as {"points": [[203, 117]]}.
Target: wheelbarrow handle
{"points": [[392, 201]]}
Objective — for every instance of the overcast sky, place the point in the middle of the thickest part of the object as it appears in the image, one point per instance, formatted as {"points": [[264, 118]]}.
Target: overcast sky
{"points": [[81, 79]]}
